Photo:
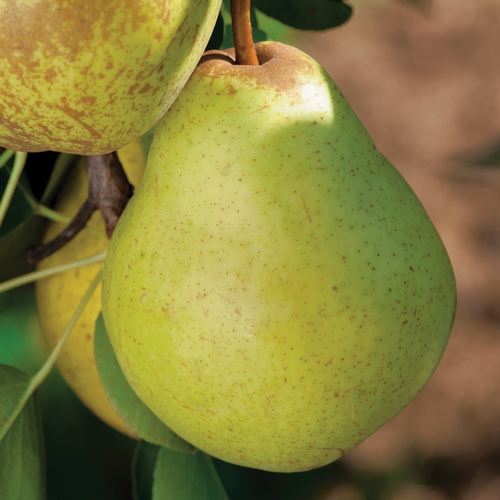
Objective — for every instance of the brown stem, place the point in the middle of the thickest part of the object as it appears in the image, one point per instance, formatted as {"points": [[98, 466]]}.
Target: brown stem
{"points": [[109, 187], [35, 253], [242, 33], [109, 192]]}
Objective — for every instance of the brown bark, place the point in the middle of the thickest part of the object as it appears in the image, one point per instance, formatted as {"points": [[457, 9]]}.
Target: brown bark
{"points": [[109, 192]]}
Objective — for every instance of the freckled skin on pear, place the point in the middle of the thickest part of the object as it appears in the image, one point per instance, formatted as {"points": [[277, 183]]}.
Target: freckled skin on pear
{"points": [[88, 77], [275, 291]]}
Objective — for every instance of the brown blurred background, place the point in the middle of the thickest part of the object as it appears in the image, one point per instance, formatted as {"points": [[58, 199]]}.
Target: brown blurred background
{"points": [[424, 77]]}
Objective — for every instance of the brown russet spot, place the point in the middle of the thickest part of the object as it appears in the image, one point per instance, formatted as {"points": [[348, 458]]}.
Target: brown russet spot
{"points": [[54, 28], [280, 67], [146, 88]]}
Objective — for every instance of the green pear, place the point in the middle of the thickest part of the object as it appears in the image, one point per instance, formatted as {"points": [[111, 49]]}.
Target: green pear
{"points": [[275, 292], [89, 77]]}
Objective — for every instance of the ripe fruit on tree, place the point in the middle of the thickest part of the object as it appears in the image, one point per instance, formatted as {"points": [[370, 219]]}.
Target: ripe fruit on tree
{"points": [[89, 77], [274, 291], [59, 295]]}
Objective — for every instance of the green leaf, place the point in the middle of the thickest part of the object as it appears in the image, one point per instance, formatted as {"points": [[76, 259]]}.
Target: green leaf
{"points": [[143, 467], [22, 453], [62, 164], [424, 6], [217, 36], [22, 227], [306, 15], [5, 154], [227, 42], [12, 246], [162, 474], [486, 155], [20, 207], [226, 6], [257, 34], [13, 385], [179, 476], [126, 402]]}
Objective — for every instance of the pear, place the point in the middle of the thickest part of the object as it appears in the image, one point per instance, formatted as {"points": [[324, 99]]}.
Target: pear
{"points": [[58, 295], [89, 77], [275, 291]]}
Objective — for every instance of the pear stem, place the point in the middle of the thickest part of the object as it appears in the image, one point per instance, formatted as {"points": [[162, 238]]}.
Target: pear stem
{"points": [[242, 33], [35, 253], [109, 192], [108, 187]]}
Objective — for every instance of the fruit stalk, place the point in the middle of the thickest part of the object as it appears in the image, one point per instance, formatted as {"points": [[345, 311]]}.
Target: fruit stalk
{"points": [[109, 191], [242, 33], [109, 187], [35, 253]]}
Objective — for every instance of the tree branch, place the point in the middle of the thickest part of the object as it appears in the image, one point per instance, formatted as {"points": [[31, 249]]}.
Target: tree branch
{"points": [[109, 192]]}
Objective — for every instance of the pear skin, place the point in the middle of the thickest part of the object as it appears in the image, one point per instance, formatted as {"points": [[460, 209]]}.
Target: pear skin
{"points": [[88, 77], [275, 291], [59, 295]]}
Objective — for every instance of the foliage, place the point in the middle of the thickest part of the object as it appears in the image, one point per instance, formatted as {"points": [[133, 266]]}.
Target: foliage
{"points": [[318, 15]]}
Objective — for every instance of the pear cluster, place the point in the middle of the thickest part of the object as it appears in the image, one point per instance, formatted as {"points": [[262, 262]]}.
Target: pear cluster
{"points": [[275, 292]]}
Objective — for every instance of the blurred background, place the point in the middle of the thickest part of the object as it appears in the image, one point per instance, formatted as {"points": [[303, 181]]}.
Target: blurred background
{"points": [[424, 77]]}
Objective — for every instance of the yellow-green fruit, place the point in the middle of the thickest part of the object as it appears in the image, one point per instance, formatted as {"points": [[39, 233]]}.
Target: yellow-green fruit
{"points": [[90, 76], [58, 295], [275, 291]]}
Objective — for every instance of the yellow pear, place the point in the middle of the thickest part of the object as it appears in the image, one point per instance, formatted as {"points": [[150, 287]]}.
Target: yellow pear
{"points": [[58, 295], [90, 76], [275, 291]]}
